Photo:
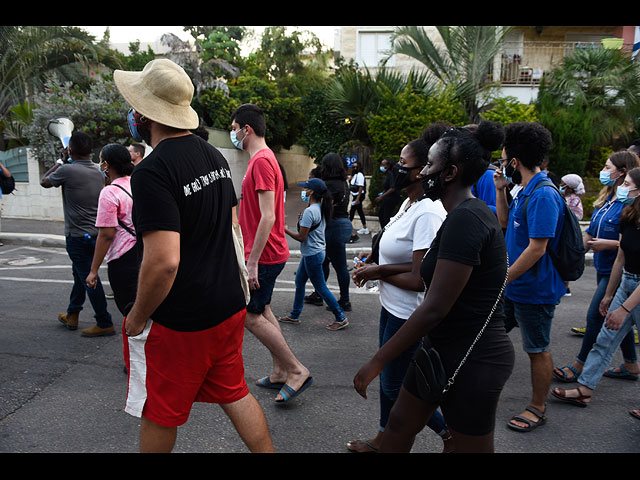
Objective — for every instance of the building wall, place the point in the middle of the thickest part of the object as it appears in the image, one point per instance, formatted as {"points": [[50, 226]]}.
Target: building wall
{"points": [[30, 200]]}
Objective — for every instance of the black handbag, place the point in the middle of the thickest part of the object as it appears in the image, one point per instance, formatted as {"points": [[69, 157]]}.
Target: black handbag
{"points": [[430, 375]]}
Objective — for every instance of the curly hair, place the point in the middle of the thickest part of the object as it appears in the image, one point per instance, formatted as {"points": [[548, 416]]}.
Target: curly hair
{"points": [[430, 135], [529, 142], [471, 148]]}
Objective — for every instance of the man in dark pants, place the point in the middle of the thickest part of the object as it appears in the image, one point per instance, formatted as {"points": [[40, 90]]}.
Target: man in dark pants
{"points": [[81, 183]]}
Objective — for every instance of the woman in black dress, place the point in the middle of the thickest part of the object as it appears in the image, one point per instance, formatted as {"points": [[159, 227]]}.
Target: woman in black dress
{"points": [[464, 273]]}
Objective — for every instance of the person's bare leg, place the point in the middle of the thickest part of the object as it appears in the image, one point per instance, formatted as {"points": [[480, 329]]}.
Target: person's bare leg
{"points": [[473, 443], [155, 438], [541, 368], [250, 423], [408, 417], [287, 368]]}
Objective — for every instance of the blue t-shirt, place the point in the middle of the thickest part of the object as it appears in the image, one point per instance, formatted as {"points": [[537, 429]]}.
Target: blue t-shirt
{"points": [[485, 189], [314, 243], [605, 223], [542, 283]]}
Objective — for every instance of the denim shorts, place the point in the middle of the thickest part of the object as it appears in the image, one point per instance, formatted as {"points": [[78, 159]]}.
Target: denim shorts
{"points": [[260, 298], [534, 321]]}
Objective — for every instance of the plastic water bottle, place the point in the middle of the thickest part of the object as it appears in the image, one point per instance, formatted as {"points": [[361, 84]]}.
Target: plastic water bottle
{"points": [[370, 285]]}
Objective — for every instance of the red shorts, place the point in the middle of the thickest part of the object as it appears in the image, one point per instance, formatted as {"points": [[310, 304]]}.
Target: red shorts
{"points": [[169, 370]]}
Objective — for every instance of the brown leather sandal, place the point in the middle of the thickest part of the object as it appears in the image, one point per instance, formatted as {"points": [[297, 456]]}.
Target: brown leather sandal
{"points": [[580, 401]]}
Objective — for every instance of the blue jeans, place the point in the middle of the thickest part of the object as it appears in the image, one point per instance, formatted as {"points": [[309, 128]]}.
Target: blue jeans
{"points": [[310, 268], [594, 324], [534, 321], [393, 374], [337, 234], [608, 340], [80, 250]]}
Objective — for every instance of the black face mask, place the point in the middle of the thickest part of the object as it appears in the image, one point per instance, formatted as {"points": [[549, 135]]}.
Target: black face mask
{"points": [[432, 185], [511, 172], [401, 175]]}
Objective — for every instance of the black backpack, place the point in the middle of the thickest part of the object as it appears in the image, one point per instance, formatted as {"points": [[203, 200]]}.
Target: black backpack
{"points": [[569, 259], [7, 184]]}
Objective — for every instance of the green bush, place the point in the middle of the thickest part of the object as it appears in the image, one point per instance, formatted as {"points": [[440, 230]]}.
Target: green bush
{"points": [[402, 117], [508, 110], [572, 135]]}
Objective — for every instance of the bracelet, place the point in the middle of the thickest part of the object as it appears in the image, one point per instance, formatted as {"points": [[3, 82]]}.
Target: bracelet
{"points": [[624, 308]]}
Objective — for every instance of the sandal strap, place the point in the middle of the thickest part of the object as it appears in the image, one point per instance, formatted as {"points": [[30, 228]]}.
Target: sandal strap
{"points": [[536, 412]]}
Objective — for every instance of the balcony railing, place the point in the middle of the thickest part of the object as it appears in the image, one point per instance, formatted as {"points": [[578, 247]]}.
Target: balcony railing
{"points": [[525, 63]]}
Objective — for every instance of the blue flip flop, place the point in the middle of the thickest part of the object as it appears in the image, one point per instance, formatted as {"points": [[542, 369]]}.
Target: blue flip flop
{"points": [[289, 393], [265, 382], [623, 373], [563, 377]]}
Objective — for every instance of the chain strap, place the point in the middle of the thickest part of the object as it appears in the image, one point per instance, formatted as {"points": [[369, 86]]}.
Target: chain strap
{"points": [[493, 309], [473, 344]]}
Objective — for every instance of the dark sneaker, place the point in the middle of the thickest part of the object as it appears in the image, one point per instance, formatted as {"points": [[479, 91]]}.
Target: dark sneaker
{"points": [[314, 299], [354, 239], [346, 306]]}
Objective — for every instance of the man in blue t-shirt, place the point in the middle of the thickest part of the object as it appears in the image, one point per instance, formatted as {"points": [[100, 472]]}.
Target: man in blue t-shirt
{"points": [[535, 286]]}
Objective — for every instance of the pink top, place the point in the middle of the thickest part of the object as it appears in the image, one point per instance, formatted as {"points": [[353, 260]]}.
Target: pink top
{"points": [[115, 204], [575, 205]]}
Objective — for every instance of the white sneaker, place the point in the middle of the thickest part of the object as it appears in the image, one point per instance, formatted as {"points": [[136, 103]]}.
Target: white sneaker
{"points": [[363, 231]]}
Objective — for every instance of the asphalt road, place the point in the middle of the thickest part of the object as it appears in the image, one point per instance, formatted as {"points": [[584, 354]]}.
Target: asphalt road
{"points": [[60, 392]]}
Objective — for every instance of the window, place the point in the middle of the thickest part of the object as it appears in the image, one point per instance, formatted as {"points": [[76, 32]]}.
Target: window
{"points": [[373, 47]]}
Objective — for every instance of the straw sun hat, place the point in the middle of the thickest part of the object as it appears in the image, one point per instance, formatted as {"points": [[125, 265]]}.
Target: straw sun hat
{"points": [[162, 92]]}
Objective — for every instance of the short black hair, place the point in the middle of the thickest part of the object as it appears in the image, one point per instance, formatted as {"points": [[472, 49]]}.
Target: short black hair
{"points": [[81, 144], [252, 115], [471, 148], [118, 158], [529, 142]]}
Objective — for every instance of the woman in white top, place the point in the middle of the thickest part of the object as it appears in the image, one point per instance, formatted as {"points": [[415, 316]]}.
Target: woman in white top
{"points": [[405, 241]]}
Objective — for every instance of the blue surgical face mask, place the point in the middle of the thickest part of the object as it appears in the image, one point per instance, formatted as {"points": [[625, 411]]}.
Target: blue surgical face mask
{"points": [[623, 195], [304, 196], [383, 169], [562, 191], [234, 139], [605, 178]]}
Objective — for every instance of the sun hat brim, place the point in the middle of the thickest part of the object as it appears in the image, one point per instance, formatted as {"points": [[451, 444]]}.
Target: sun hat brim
{"points": [[163, 97]]}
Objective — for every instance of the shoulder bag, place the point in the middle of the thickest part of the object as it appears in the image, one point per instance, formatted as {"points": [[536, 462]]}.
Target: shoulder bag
{"points": [[431, 378]]}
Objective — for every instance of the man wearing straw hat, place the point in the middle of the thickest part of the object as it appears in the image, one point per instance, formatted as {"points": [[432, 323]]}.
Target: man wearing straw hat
{"points": [[184, 332]]}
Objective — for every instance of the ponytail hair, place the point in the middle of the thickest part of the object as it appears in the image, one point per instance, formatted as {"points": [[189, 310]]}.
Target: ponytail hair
{"points": [[326, 204]]}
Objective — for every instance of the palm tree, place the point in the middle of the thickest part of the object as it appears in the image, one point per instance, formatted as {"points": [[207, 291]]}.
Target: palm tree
{"points": [[464, 60], [604, 81], [29, 53]]}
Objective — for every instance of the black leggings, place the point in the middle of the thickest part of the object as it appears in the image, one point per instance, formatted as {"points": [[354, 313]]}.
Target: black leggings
{"points": [[357, 208], [123, 277]]}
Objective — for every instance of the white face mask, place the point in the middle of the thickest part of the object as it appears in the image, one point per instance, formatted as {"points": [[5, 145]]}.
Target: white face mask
{"points": [[234, 139]]}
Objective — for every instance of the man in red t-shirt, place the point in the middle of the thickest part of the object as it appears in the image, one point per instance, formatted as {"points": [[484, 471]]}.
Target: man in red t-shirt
{"points": [[262, 219]]}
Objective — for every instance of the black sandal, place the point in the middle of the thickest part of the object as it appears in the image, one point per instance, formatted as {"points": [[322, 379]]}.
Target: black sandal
{"points": [[531, 424]]}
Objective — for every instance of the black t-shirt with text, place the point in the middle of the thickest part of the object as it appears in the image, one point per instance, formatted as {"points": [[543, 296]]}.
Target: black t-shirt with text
{"points": [[185, 186]]}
